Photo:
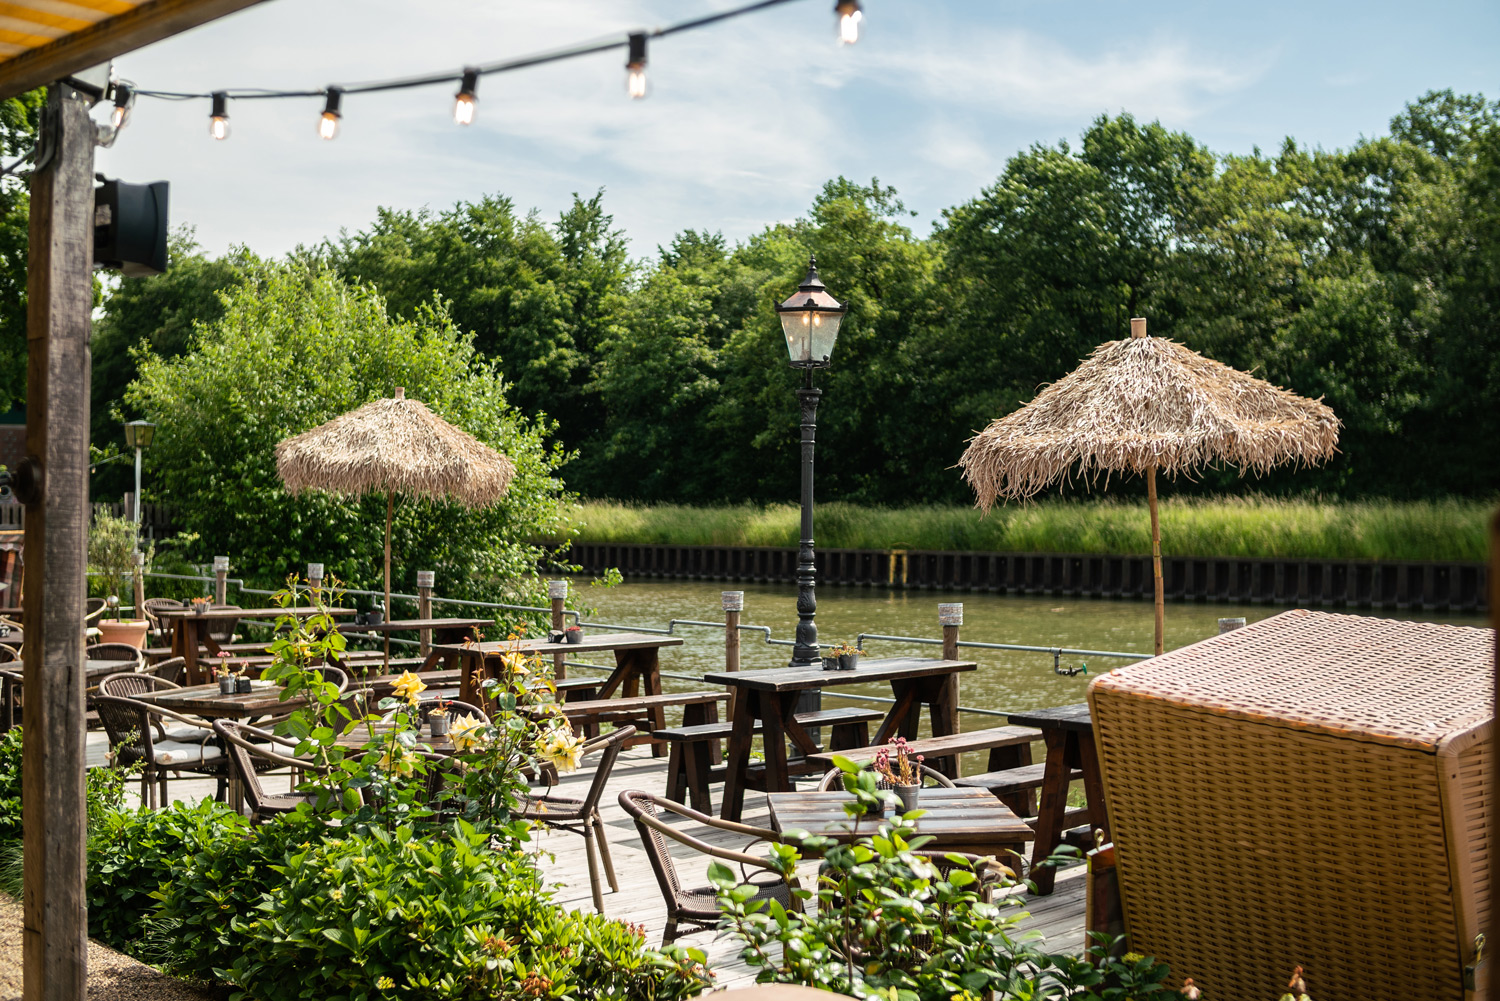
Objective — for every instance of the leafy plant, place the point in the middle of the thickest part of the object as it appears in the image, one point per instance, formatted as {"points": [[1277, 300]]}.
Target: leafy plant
{"points": [[112, 547]]}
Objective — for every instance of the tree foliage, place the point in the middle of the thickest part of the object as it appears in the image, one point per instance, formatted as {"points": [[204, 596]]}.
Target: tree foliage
{"points": [[294, 347]]}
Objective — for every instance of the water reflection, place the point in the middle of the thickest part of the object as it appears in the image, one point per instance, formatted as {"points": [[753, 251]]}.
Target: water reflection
{"points": [[1004, 680]]}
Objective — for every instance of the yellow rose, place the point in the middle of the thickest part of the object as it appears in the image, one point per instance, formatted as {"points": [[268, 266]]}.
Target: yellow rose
{"points": [[396, 761], [560, 747], [408, 687], [467, 731]]}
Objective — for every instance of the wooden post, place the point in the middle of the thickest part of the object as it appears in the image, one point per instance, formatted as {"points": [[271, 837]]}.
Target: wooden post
{"points": [[140, 586], [951, 617], [1138, 329], [221, 580], [425, 580], [1494, 845], [61, 290], [315, 579], [557, 592], [733, 603]]}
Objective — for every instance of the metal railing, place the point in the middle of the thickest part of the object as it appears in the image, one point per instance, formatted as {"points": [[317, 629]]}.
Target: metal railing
{"points": [[672, 624]]}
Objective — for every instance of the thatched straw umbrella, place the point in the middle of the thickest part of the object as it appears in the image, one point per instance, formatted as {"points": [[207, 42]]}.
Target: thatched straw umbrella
{"points": [[394, 446], [1138, 406]]}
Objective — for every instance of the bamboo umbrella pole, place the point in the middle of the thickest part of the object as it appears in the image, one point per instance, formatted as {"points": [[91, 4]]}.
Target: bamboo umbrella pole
{"points": [[390, 505], [1156, 556]]}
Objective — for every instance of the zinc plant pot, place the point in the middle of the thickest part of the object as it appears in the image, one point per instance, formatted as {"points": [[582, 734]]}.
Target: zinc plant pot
{"points": [[848, 661], [227, 685], [131, 632], [909, 797], [574, 635], [439, 725]]}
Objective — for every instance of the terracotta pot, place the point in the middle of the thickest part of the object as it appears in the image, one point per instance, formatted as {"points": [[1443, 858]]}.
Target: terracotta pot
{"points": [[129, 631]]}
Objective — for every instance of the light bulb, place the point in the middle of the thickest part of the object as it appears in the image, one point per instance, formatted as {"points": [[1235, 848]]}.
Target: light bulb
{"points": [[850, 15], [465, 101], [218, 121], [328, 124], [635, 66]]}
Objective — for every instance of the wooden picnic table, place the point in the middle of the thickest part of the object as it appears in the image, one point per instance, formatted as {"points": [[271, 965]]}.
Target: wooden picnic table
{"points": [[637, 668], [263, 699], [1069, 733], [440, 631], [191, 629], [959, 820], [769, 698]]}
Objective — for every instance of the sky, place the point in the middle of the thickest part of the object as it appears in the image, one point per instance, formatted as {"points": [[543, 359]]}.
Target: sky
{"points": [[747, 119]]}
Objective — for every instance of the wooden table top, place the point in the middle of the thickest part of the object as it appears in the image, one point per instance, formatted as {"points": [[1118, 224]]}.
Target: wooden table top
{"points": [[407, 625], [969, 817], [795, 679], [1074, 717], [301, 612], [598, 643], [263, 698], [360, 735], [94, 669]]}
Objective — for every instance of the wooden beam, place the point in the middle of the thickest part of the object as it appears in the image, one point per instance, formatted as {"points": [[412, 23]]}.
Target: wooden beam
{"points": [[150, 22], [60, 287]]}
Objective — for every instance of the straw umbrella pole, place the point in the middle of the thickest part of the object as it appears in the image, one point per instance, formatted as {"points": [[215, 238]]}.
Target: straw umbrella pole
{"points": [[394, 446], [1145, 405]]}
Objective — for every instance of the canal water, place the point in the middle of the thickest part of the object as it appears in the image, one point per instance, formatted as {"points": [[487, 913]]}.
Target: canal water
{"points": [[1005, 680]]}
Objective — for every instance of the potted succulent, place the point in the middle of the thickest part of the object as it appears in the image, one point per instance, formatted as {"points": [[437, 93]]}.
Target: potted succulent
{"points": [[847, 655], [574, 634], [439, 721], [227, 684], [113, 543], [901, 772], [200, 605]]}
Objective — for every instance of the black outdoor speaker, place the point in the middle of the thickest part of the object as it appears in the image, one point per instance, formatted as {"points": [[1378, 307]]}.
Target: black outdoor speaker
{"points": [[130, 227]]}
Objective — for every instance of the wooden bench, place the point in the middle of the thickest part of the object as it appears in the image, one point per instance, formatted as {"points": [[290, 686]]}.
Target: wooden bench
{"points": [[693, 764], [1015, 787], [645, 711]]}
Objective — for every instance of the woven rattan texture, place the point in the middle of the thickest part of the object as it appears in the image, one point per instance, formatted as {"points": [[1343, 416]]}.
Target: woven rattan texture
{"points": [[1248, 845], [1407, 683]]}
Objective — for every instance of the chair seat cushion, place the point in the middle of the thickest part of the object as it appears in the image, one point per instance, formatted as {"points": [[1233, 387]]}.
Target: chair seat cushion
{"points": [[181, 733], [176, 752]]}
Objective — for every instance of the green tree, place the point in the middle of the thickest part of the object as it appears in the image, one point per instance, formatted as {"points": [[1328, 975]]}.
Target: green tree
{"points": [[19, 117], [295, 347]]}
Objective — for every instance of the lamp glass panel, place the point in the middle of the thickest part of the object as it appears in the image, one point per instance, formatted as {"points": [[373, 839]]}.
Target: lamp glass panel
{"points": [[798, 330], [825, 330]]}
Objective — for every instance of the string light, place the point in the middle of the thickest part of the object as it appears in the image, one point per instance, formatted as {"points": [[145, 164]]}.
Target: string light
{"points": [[124, 98], [328, 125], [635, 66], [850, 15], [218, 121], [466, 99]]}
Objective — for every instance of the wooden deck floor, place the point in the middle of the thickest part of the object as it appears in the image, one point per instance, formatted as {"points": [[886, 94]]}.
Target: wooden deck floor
{"points": [[1058, 918]]}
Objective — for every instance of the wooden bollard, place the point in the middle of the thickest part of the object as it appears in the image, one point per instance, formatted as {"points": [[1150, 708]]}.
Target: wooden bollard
{"points": [[951, 616], [315, 578], [733, 603], [221, 580], [140, 586], [557, 593], [425, 581]]}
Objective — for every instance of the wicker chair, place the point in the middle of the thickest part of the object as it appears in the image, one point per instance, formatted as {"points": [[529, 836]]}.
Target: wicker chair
{"points": [[698, 906], [581, 816], [833, 779], [10, 699], [137, 732], [251, 751], [122, 652], [161, 634], [222, 630], [129, 684], [93, 611], [174, 669]]}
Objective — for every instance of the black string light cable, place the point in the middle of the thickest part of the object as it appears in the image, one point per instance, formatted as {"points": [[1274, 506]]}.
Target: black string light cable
{"points": [[848, 13]]}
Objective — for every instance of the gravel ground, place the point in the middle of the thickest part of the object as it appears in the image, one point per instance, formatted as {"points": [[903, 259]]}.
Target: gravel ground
{"points": [[112, 976]]}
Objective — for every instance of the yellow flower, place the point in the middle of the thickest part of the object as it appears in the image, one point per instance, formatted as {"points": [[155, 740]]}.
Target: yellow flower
{"points": [[386, 984], [467, 731], [408, 687], [560, 747], [515, 663], [337, 893], [396, 760]]}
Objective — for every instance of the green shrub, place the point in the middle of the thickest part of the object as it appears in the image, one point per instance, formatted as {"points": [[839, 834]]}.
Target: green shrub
{"points": [[370, 916], [10, 784], [133, 853]]}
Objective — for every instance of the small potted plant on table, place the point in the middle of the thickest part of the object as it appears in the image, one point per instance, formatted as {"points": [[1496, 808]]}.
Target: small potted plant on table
{"points": [[902, 772], [227, 683], [438, 720], [574, 634], [847, 655]]}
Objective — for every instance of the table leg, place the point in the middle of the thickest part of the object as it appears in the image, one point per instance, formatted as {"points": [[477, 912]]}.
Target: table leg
{"points": [[775, 708], [187, 649], [905, 698], [648, 665], [746, 710], [470, 662], [1049, 818], [1093, 782]]}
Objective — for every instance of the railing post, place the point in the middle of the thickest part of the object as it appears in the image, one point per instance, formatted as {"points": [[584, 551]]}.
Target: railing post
{"points": [[315, 579], [425, 581], [951, 616], [221, 580], [140, 585], [557, 592], [734, 603]]}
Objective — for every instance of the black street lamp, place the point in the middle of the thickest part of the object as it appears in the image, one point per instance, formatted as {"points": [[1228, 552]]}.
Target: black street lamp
{"points": [[810, 319]]}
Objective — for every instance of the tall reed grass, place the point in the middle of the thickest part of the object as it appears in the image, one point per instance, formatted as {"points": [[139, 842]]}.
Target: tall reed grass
{"points": [[1232, 526]]}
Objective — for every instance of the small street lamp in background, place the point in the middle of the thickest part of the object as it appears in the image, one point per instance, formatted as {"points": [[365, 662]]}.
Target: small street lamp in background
{"points": [[810, 320], [138, 435]]}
